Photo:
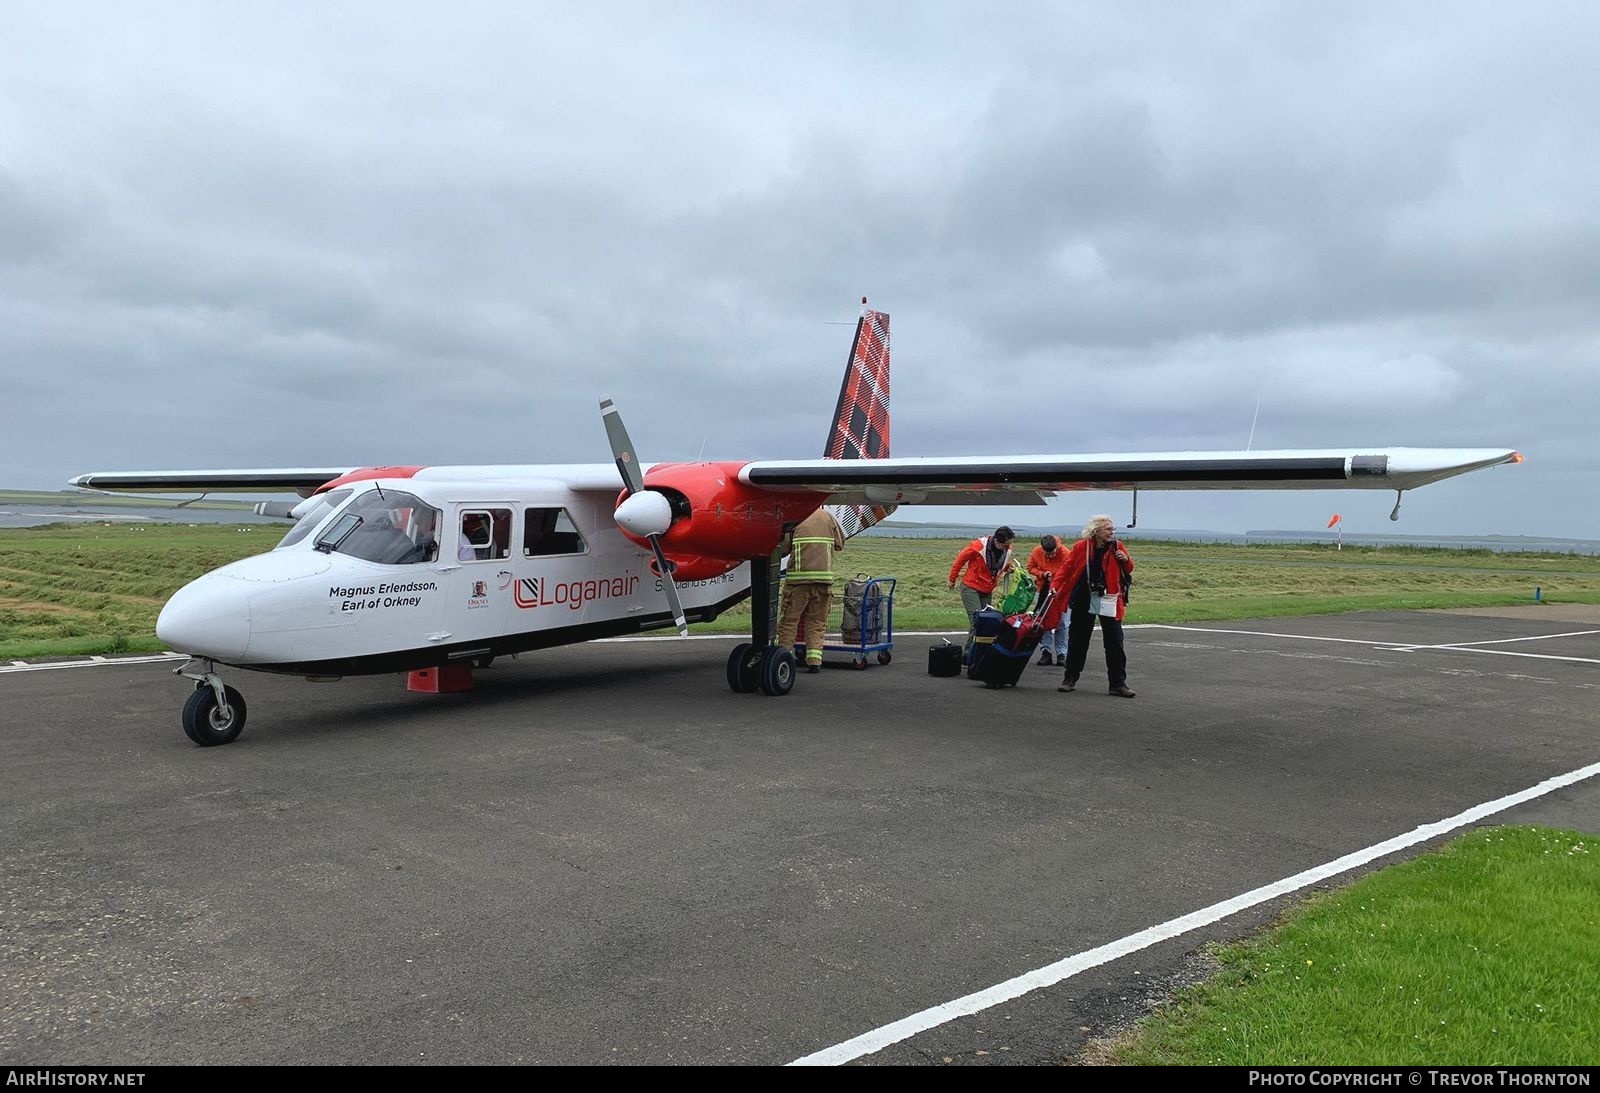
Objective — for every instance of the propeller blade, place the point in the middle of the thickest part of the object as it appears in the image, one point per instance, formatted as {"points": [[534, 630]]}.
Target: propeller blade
{"points": [[621, 447], [670, 588], [643, 513]]}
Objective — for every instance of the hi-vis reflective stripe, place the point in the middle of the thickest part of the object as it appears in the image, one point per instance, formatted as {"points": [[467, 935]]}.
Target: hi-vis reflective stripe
{"points": [[811, 574]]}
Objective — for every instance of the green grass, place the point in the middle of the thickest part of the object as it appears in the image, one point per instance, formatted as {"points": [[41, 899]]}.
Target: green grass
{"points": [[97, 588], [1482, 953]]}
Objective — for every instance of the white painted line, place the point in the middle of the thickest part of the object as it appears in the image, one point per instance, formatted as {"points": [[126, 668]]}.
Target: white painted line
{"points": [[898, 634], [1051, 974], [1262, 634], [1505, 641], [1399, 647], [1513, 653], [97, 659], [102, 662]]}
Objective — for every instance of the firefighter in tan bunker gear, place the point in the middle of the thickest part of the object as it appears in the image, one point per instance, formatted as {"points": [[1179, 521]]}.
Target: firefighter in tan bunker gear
{"points": [[808, 586]]}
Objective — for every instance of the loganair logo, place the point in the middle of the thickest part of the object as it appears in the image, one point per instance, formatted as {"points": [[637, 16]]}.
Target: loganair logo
{"points": [[533, 592]]}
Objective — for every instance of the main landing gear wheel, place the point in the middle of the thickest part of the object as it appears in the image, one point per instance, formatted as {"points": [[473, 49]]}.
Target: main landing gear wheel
{"points": [[742, 668], [204, 721], [777, 671]]}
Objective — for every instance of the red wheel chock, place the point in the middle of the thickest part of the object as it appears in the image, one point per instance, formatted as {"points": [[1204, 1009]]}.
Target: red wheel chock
{"points": [[438, 681]]}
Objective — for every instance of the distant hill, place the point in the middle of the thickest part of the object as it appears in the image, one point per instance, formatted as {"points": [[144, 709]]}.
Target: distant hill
{"points": [[907, 529]]}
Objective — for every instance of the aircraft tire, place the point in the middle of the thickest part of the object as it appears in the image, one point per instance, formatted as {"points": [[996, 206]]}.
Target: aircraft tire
{"points": [[777, 671], [201, 722], [740, 681]]}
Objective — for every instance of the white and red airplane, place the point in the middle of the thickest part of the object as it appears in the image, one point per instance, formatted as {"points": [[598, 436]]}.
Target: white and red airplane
{"points": [[436, 570]]}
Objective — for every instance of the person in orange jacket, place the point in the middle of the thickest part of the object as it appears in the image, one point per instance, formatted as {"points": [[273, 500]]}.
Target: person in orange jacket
{"points": [[1096, 574], [1046, 563], [985, 560]]}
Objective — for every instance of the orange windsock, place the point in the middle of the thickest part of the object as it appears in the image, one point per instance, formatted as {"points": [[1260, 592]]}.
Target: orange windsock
{"points": [[1335, 520]]}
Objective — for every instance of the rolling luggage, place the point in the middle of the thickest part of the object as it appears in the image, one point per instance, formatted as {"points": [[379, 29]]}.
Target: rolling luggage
{"points": [[986, 627], [1015, 640]]}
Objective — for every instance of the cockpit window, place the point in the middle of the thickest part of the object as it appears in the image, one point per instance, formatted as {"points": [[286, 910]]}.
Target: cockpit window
{"points": [[385, 526], [316, 511]]}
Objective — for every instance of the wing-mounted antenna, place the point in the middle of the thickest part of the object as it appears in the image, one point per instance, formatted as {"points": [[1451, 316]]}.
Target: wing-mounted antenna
{"points": [[860, 427], [1135, 521], [1394, 513]]}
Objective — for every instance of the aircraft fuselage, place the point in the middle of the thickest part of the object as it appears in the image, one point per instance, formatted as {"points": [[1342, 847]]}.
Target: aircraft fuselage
{"points": [[388, 578]]}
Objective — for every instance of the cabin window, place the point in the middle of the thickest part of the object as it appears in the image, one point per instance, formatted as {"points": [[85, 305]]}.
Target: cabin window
{"points": [[385, 526], [316, 512], [549, 531], [485, 533]]}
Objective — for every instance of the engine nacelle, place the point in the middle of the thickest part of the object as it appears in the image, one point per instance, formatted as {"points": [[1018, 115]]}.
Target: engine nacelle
{"points": [[719, 521]]}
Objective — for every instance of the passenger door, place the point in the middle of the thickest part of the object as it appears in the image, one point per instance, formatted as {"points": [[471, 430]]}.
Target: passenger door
{"points": [[475, 559]]}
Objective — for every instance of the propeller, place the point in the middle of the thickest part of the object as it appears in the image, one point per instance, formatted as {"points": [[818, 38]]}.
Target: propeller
{"points": [[643, 512]]}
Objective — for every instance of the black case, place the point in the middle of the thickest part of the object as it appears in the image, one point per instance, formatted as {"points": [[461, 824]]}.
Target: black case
{"points": [[944, 660]]}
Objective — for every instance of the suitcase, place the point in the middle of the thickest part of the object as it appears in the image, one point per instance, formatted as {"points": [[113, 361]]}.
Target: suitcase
{"points": [[944, 660], [1011, 649], [986, 626]]}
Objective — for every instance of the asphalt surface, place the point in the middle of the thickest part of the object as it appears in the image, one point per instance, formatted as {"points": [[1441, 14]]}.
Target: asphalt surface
{"points": [[602, 855]]}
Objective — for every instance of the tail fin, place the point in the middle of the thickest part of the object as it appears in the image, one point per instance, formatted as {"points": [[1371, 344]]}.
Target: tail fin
{"points": [[861, 420]]}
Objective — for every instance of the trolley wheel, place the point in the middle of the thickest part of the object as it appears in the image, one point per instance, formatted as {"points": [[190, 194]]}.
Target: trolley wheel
{"points": [[776, 671], [884, 657], [859, 664], [741, 677]]}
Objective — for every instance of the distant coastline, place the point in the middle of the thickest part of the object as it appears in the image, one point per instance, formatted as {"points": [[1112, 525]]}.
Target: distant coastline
{"points": [[1499, 543], [33, 508]]}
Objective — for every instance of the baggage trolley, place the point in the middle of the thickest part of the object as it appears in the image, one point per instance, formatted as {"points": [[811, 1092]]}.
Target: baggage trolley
{"points": [[873, 601]]}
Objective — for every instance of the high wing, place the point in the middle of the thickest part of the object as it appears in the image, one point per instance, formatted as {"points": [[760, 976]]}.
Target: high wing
{"points": [[302, 480], [930, 480], [1032, 479]]}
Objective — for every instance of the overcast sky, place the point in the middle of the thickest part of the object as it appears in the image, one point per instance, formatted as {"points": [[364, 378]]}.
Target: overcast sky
{"points": [[282, 234]]}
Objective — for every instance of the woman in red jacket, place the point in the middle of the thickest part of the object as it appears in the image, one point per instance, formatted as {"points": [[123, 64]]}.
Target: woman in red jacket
{"points": [[986, 559], [1094, 577]]}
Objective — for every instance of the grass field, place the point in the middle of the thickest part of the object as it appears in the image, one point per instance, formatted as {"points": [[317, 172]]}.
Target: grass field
{"points": [[97, 588], [1479, 954]]}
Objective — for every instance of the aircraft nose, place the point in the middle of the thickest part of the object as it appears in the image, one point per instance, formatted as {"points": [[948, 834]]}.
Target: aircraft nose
{"points": [[209, 617]]}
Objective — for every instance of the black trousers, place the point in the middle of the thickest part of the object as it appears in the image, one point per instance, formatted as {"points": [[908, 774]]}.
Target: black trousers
{"points": [[1079, 627]]}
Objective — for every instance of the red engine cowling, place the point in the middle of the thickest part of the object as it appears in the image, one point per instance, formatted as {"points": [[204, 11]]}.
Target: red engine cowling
{"points": [[719, 521]]}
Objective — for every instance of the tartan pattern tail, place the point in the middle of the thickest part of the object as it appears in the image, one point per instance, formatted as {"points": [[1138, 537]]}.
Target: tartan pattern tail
{"points": [[861, 420]]}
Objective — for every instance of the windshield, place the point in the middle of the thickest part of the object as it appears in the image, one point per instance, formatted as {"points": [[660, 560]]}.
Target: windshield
{"points": [[317, 510], [385, 526]]}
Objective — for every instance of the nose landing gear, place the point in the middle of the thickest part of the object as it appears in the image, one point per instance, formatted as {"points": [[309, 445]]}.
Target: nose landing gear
{"points": [[215, 712]]}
